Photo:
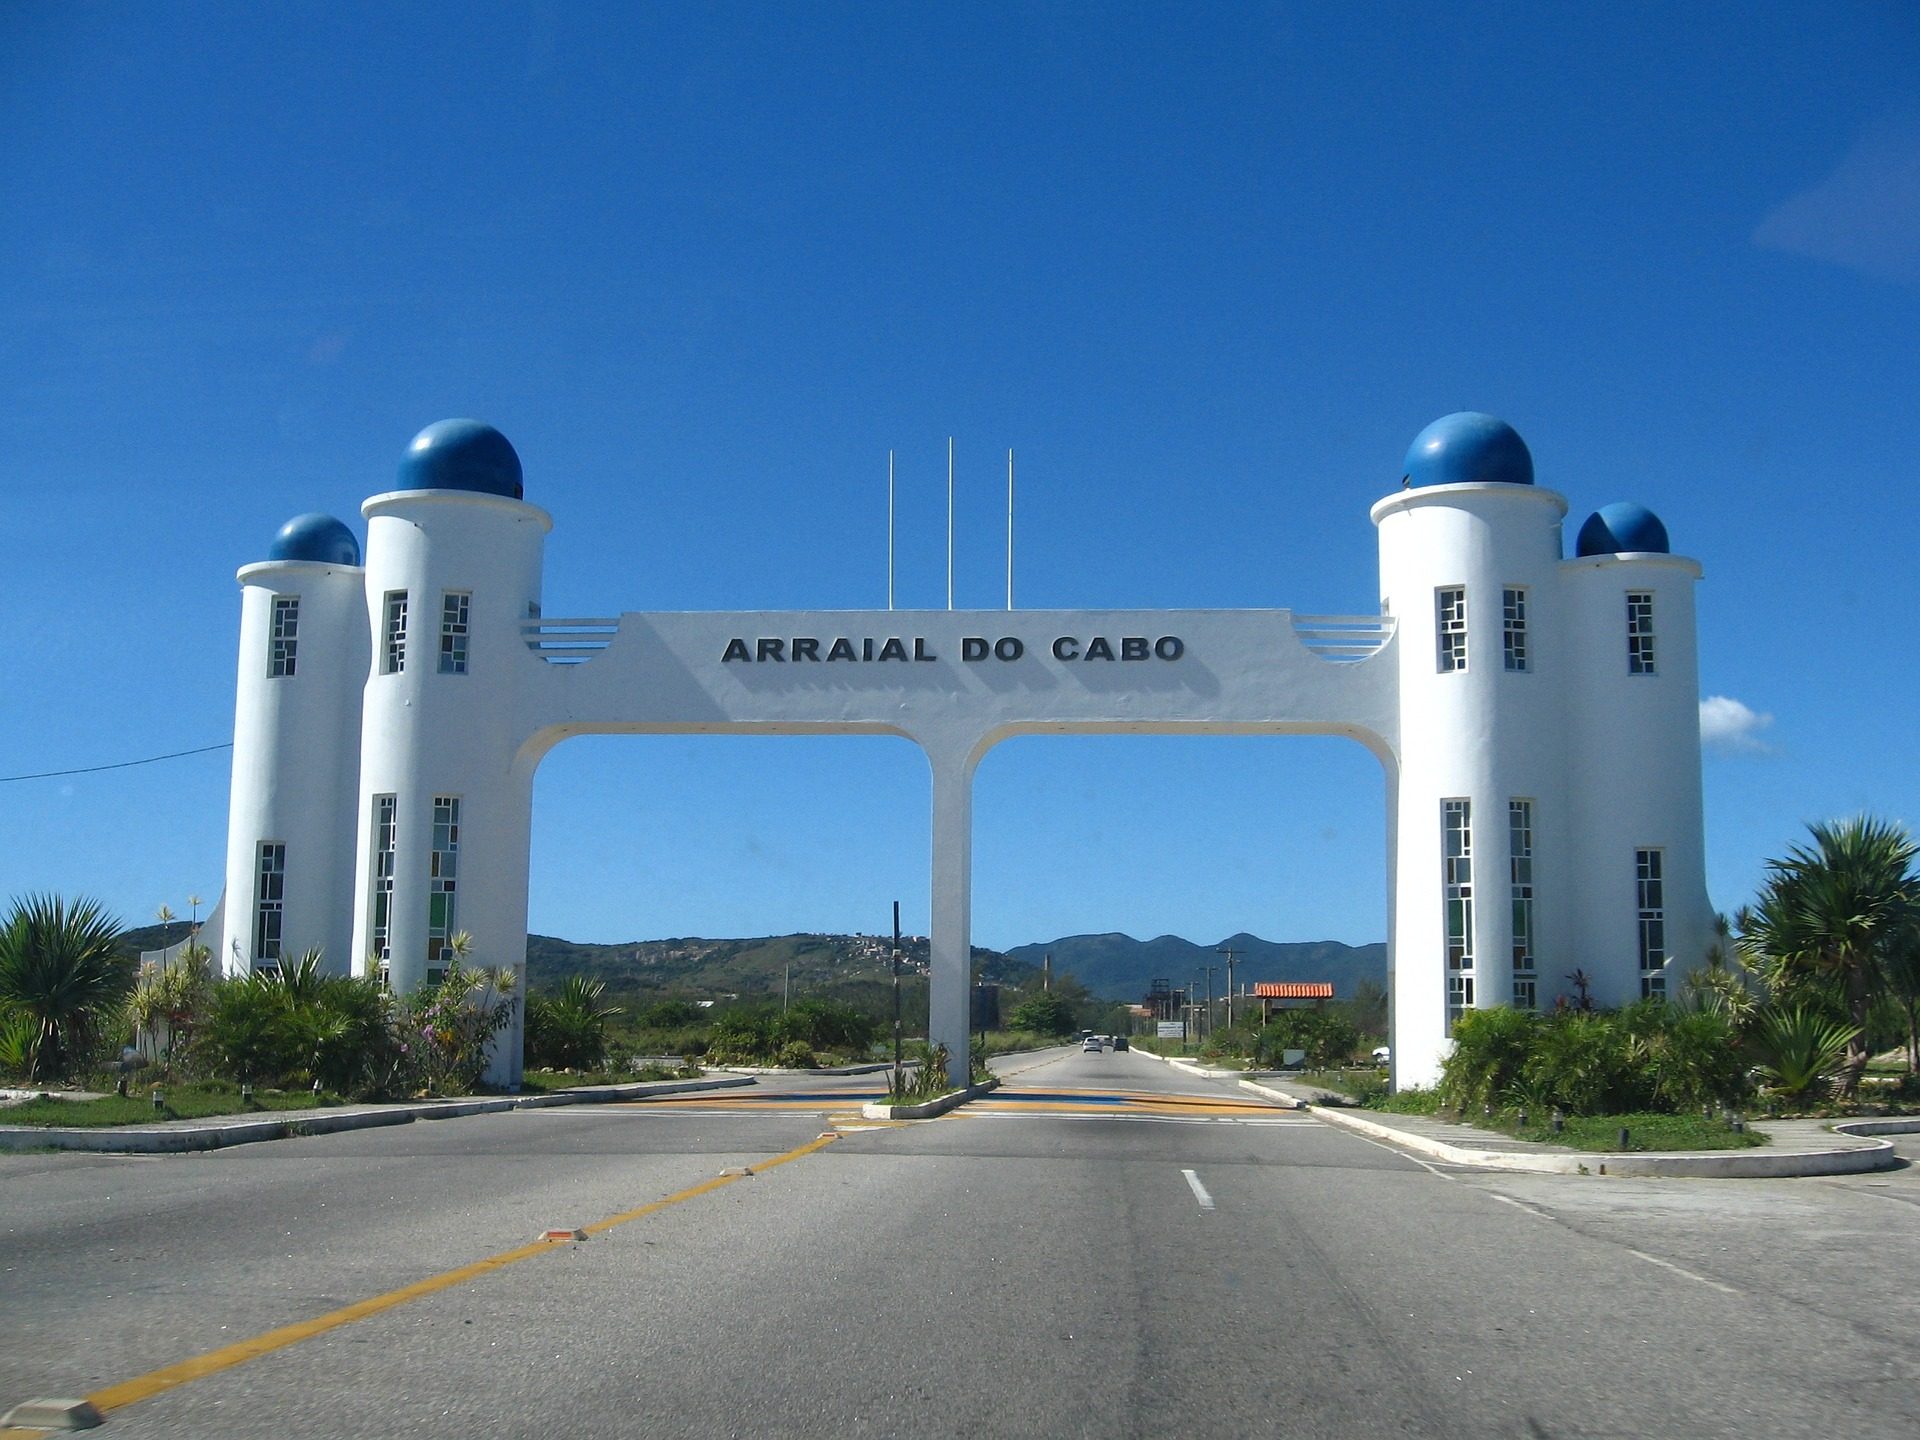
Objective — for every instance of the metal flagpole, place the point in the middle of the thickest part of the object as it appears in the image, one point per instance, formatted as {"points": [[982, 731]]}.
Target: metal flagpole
{"points": [[949, 522], [1009, 528], [889, 529]]}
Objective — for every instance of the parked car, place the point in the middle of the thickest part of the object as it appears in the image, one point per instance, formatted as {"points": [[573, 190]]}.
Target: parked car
{"points": [[1382, 1054]]}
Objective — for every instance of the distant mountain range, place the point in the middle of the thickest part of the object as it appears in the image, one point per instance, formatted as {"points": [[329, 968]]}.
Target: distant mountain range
{"points": [[1119, 967], [1113, 966]]}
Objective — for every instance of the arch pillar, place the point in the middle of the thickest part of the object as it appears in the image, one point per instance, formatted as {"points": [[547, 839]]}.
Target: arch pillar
{"points": [[950, 928]]}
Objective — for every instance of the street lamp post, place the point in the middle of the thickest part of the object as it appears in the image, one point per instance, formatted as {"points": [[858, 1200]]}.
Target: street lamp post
{"points": [[1228, 952]]}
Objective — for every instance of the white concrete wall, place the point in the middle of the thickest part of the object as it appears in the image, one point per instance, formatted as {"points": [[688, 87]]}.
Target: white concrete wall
{"points": [[1634, 756], [296, 754]]}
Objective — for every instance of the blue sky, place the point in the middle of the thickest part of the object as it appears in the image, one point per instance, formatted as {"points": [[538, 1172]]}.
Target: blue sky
{"points": [[1206, 269]]}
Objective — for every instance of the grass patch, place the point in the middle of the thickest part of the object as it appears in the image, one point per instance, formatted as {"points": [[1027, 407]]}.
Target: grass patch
{"points": [[548, 1082], [1645, 1132], [1411, 1101], [1586, 1132], [197, 1101]]}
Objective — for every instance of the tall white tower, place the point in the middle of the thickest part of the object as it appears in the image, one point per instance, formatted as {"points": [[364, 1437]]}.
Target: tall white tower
{"points": [[296, 750], [444, 810]]}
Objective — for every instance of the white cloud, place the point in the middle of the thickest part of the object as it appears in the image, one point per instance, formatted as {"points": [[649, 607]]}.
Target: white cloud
{"points": [[1865, 215], [1729, 726]]}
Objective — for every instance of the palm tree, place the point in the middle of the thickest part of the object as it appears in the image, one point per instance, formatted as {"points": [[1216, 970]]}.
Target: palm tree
{"points": [[60, 965], [1833, 910]]}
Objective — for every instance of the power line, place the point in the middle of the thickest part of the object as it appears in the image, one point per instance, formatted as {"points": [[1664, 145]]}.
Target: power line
{"points": [[121, 765]]}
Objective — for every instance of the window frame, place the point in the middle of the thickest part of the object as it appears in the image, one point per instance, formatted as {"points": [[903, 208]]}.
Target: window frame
{"points": [[1514, 634], [1450, 629], [1456, 884], [1642, 655], [283, 637], [386, 848], [456, 631], [1650, 905], [1520, 862], [443, 872], [393, 650], [269, 903]]}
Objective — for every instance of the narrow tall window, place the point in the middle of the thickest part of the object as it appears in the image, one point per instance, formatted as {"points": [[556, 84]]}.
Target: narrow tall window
{"points": [[1456, 825], [283, 636], [1640, 632], [269, 900], [1513, 604], [393, 657], [453, 632], [440, 884], [1653, 923], [1450, 623], [380, 941], [1526, 983]]}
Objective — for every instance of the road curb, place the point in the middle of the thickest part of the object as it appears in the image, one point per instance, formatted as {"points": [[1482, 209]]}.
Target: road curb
{"points": [[928, 1109], [1292, 1102], [1686, 1164], [217, 1134]]}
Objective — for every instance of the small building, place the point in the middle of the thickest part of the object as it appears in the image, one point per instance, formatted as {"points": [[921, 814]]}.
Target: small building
{"points": [[1271, 993]]}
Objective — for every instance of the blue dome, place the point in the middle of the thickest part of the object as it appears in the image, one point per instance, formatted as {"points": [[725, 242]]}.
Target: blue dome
{"points": [[1468, 448], [315, 537], [1621, 529], [461, 455]]}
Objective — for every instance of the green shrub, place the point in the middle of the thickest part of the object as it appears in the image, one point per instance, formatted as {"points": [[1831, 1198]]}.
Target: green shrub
{"points": [[1044, 1014], [1795, 1049], [1581, 1060], [60, 965], [824, 1025], [669, 1015], [1490, 1052], [568, 1030], [742, 1035], [1328, 1038], [1696, 1060], [796, 1055]]}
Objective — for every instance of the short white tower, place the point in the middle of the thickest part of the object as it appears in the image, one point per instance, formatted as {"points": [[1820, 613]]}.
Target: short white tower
{"points": [[1634, 740], [296, 749]]}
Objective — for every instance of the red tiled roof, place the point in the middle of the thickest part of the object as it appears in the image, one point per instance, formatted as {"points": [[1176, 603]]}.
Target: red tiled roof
{"points": [[1293, 990]]}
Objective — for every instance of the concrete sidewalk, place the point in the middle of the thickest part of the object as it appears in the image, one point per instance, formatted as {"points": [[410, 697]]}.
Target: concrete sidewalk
{"points": [[1792, 1148], [215, 1132]]}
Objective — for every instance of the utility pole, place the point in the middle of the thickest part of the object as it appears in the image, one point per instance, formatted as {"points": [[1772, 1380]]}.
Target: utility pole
{"points": [[1210, 970], [1228, 952], [899, 1075], [786, 986]]}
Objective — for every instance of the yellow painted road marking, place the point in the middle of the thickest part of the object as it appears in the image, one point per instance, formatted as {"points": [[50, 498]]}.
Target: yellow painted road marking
{"points": [[155, 1382]]}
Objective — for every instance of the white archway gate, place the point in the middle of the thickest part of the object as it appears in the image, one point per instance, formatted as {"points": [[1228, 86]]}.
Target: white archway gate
{"points": [[1536, 717], [956, 684]]}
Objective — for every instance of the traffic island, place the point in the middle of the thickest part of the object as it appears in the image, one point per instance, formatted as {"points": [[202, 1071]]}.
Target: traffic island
{"points": [[927, 1109]]}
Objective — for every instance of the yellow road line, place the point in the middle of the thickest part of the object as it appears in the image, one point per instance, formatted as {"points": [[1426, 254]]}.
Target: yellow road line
{"points": [[155, 1382]]}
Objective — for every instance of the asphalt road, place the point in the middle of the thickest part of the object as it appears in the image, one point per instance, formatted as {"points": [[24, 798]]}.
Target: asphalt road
{"points": [[1105, 1246]]}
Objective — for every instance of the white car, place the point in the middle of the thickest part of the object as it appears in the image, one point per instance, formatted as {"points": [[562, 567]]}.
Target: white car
{"points": [[1091, 1043], [1383, 1055]]}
